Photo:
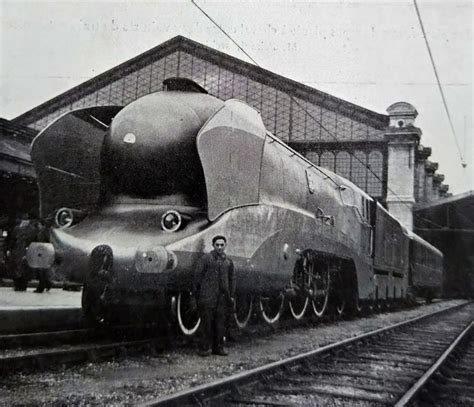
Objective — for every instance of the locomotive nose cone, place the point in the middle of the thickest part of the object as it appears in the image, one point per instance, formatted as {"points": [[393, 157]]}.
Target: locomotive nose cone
{"points": [[155, 260]]}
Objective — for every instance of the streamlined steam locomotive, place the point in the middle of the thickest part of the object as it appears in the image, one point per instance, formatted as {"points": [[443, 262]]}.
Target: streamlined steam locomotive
{"points": [[157, 179]]}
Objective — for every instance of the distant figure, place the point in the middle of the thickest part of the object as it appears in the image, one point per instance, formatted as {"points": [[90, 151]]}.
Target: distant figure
{"points": [[43, 274], [213, 287], [23, 233]]}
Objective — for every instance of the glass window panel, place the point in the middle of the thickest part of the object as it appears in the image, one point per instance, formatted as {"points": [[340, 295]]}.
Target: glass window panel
{"points": [[312, 156], [298, 121], [157, 75], [282, 121], [226, 81], [343, 164], [268, 107], [185, 65], [374, 176], [359, 169], [254, 95], [327, 160], [313, 128], [240, 87], [171, 65], [212, 79]]}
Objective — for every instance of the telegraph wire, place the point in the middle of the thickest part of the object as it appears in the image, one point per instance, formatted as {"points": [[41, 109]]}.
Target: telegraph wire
{"points": [[223, 31], [463, 163], [312, 117]]}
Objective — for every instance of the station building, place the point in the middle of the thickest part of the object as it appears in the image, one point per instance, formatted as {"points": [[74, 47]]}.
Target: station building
{"points": [[381, 153]]}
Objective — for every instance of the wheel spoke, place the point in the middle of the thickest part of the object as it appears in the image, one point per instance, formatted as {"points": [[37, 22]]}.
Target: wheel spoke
{"points": [[302, 284]]}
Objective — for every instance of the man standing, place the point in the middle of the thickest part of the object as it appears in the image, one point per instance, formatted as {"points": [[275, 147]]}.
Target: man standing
{"points": [[213, 287], [44, 280]]}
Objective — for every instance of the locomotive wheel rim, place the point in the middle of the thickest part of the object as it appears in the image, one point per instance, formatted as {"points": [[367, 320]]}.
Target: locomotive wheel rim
{"points": [[298, 315], [242, 323], [186, 331], [340, 306], [319, 310], [299, 304], [272, 319]]}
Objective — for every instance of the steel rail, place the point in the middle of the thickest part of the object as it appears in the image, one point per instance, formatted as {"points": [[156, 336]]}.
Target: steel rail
{"points": [[37, 338], [73, 335], [92, 352], [410, 395], [226, 386]]}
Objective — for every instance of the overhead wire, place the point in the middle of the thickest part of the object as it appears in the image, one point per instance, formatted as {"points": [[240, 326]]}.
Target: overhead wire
{"points": [[463, 163], [309, 114]]}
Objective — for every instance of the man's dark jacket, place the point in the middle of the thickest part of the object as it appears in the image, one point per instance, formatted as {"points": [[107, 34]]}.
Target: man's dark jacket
{"points": [[213, 278]]}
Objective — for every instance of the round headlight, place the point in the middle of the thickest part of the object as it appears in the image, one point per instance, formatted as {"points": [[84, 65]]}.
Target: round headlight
{"points": [[171, 221], [64, 217]]}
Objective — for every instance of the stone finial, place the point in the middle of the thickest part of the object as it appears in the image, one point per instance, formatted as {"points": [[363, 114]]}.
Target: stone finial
{"points": [[402, 114], [431, 167], [443, 190], [438, 178], [422, 153]]}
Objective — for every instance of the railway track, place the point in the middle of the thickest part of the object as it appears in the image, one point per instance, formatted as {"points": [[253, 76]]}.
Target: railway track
{"points": [[451, 381], [382, 367], [46, 349]]}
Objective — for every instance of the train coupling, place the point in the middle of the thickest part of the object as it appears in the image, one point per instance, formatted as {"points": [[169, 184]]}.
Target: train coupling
{"points": [[155, 260], [40, 255]]}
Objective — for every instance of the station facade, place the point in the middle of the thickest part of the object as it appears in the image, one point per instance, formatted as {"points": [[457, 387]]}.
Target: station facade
{"points": [[381, 153]]}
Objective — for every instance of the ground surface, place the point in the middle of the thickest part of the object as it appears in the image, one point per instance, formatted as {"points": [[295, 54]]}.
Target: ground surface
{"points": [[29, 299], [141, 378]]}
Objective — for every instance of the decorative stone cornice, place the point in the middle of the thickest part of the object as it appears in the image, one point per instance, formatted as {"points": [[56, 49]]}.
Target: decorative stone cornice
{"points": [[408, 135], [438, 178], [422, 153], [443, 189], [431, 167]]}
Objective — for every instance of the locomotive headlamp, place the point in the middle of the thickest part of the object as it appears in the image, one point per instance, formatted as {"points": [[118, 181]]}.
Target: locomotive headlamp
{"points": [[171, 221], [64, 218]]}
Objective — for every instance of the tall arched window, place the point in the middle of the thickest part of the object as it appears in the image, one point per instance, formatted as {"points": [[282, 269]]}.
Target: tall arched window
{"points": [[343, 164], [328, 160], [313, 157], [375, 174], [359, 169]]}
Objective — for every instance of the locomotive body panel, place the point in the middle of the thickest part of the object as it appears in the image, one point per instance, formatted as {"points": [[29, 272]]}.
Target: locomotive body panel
{"points": [[67, 159], [214, 164]]}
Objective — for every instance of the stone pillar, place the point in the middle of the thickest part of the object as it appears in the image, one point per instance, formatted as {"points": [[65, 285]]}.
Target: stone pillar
{"points": [[430, 168], [437, 180], [402, 141], [422, 153]]}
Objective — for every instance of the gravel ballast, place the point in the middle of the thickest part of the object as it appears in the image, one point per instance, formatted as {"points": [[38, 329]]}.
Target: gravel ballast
{"points": [[137, 379]]}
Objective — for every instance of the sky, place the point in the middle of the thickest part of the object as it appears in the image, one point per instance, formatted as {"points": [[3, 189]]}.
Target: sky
{"points": [[368, 52]]}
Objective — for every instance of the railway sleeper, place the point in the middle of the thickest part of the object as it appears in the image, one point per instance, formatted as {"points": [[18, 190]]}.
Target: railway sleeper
{"points": [[336, 381], [345, 392]]}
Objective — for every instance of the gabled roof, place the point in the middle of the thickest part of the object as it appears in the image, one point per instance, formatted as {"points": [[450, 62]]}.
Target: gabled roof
{"points": [[452, 213], [15, 143], [236, 65]]}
